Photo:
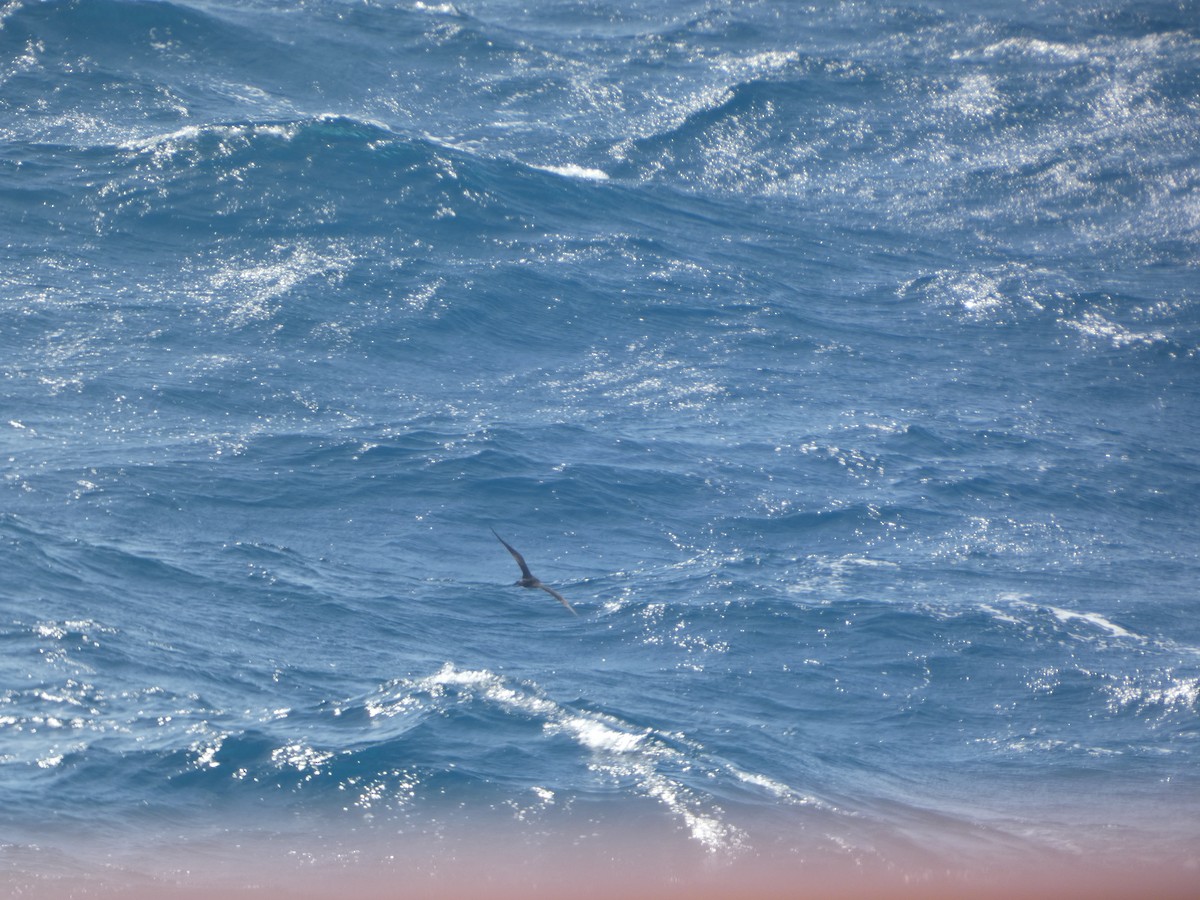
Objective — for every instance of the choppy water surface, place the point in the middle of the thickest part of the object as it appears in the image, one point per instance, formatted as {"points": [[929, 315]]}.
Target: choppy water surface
{"points": [[837, 362]]}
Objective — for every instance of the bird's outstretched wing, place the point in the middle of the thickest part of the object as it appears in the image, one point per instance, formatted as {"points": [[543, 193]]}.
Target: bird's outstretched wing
{"points": [[517, 556], [529, 580], [557, 596]]}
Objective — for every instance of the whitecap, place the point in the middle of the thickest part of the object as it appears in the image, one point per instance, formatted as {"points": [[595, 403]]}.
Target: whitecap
{"points": [[573, 171], [1066, 615], [998, 615], [645, 759]]}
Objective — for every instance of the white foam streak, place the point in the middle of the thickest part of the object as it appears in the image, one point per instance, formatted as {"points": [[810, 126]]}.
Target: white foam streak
{"points": [[617, 750], [998, 615], [1066, 615], [776, 788], [573, 171]]}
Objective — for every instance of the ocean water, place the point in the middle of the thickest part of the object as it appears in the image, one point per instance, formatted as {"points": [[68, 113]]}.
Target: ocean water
{"points": [[839, 363]]}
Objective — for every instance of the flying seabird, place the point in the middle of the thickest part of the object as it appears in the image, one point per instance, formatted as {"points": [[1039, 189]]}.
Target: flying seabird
{"points": [[527, 578]]}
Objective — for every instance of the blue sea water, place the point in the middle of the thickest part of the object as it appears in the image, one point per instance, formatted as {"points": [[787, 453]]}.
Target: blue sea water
{"points": [[839, 362]]}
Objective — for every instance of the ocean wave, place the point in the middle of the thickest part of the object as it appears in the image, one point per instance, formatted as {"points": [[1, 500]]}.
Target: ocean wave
{"points": [[217, 181], [834, 363], [740, 137], [648, 762]]}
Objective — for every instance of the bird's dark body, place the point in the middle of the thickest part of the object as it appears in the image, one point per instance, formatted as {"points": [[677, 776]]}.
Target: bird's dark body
{"points": [[528, 580]]}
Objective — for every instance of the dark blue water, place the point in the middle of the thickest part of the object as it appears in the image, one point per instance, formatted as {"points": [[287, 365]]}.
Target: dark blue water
{"points": [[838, 363]]}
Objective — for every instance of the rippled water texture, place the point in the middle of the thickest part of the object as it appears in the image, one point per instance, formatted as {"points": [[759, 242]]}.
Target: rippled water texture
{"points": [[837, 362]]}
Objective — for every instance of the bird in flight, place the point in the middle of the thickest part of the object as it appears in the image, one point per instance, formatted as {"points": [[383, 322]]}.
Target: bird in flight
{"points": [[527, 578]]}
